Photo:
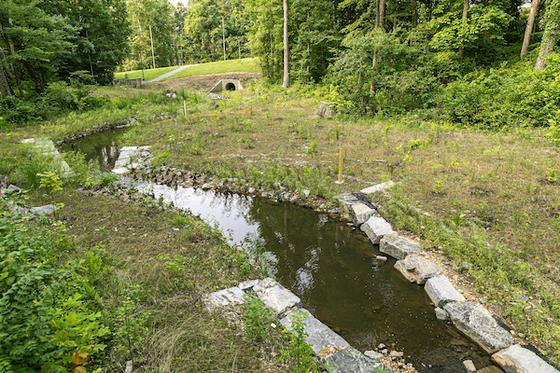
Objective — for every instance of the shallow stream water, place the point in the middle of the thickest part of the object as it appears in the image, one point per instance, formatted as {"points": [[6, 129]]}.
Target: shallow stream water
{"points": [[329, 265]]}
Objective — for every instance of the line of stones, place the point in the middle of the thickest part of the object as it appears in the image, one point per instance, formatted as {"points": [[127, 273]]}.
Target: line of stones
{"points": [[332, 350], [471, 318]]}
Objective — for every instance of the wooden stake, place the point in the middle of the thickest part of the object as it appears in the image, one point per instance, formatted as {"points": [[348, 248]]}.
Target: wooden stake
{"points": [[340, 163], [185, 108]]}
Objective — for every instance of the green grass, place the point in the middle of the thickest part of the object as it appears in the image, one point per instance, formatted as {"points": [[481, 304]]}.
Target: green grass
{"points": [[232, 66], [148, 73], [248, 65]]}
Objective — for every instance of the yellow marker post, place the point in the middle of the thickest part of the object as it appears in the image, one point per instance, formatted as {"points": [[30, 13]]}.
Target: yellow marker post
{"points": [[340, 164], [185, 108]]}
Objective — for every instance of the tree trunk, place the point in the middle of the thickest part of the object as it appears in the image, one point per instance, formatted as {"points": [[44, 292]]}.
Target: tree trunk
{"points": [[34, 77], [381, 12], [550, 33], [464, 21], [4, 87], [529, 28], [286, 81]]}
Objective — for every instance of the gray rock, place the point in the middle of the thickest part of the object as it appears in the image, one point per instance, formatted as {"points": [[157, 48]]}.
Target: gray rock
{"points": [[376, 228], [441, 314], [226, 297], [351, 360], [12, 188], [378, 187], [373, 355], [477, 323], [43, 210], [306, 193], [360, 212], [469, 366], [130, 157], [381, 258], [325, 109], [46, 148], [275, 296], [396, 246], [21, 211], [441, 291], [517, 359], [319, 336], [417, 268]]}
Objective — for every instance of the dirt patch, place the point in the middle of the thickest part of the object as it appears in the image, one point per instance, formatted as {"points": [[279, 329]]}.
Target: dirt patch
{"points": [[206, 81]]}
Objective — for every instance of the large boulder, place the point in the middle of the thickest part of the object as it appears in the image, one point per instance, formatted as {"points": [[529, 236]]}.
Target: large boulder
{"points": [[517, 359], [441, 291], [130, 157], [226, 297], [396, 246], [360, 213], [477, 323], [376, 228], [43, 210], [351, 360], [275, 296], [319, 336], [326, 109], [417, 269]]}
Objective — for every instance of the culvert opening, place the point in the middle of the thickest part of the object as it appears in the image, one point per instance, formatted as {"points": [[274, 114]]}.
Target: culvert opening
{"points": [[230, 87]]}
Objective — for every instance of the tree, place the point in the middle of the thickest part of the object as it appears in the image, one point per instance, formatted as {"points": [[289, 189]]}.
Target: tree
{"points": [[286, 80], [529, 28], [550, 35], [159, 15], [35, 43]]}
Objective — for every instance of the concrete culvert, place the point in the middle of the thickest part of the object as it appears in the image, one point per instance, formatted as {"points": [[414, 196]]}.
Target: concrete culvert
{"points": [[227, 85]]}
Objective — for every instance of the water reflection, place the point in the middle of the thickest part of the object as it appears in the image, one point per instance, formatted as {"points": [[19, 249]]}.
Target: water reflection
{"points": [[334, 271]]}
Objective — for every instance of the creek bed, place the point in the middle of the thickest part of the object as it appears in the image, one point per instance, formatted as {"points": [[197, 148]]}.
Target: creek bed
{"points": [[328, 264]]}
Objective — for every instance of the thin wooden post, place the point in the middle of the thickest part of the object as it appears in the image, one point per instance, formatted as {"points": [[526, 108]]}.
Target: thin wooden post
{"points": [[152, 44], [185, 108], [340, 164], [224, 37]]}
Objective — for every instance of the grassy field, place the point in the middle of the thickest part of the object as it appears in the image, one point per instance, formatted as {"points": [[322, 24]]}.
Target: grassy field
{"points": [[148, 73], [492, 199], [167, 261], [219, 67]]}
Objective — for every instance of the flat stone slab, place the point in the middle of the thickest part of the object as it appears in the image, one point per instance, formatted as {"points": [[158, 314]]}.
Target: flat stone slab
{"points": [[517, 359], [417, 269], [43, 210], [226, 297], [397, 246], [476, 322], [378, 187], [351, 360], [319, 336], [360, 212], [376, 228], [47, 149], [128, 158], [275, 296], [441, 292]]}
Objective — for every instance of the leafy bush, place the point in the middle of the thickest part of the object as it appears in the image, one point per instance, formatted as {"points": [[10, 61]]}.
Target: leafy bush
{"points": [[59, 99], [46, 319], [257, 318]]}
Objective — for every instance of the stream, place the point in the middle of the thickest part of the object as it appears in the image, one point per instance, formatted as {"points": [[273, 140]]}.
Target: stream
{"points": [[329, 265]]}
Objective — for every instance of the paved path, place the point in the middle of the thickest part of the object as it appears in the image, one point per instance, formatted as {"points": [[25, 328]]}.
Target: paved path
{"points": [[161, 77]]}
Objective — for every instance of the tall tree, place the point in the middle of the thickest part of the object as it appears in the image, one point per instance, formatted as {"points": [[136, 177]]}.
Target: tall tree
{"points": [[529, 28], [464, 21], [550, 35], [286, 79]]}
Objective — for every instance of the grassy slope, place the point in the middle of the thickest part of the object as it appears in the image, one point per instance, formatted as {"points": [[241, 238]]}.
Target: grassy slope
{"points": [[493, 209], [219, 67], [148, 73], [175, 260]]}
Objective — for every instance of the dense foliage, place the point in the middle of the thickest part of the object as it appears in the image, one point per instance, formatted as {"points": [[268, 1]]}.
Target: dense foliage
{"points": [[49, 318]]}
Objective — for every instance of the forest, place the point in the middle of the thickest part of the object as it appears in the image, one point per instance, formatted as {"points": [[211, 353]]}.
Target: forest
{"points": [[486, 64]]}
